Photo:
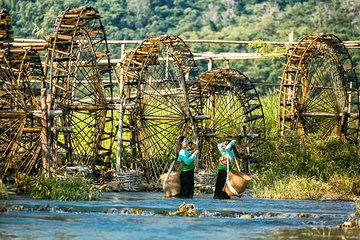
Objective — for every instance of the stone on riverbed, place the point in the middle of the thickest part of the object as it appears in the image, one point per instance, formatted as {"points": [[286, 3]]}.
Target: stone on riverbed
{"points": [[246, 216], [302, 215], [185, 209]]}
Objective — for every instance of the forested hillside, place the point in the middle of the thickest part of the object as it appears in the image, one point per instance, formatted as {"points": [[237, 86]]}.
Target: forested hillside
{"points": [[204, 19]]}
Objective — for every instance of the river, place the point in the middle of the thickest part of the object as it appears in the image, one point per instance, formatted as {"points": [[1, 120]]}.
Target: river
{"points": [[112, 217]]}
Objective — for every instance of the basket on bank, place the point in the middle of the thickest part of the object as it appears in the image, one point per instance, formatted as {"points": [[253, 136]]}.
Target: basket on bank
{"points": [[130, 180]]}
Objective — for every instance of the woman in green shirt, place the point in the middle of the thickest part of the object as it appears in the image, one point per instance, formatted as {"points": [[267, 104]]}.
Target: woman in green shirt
{"points": [[228, 151], [187, 167]]}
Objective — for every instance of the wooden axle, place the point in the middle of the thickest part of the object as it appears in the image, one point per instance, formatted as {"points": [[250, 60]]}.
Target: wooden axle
{"points": [[35, 113], [229, 135], [86, 107], [222, 135], [12, 114], [325, 114], [163, 118], [32, 130], [173, 117]]}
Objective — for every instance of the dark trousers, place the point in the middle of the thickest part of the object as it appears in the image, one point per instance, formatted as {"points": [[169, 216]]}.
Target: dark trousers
{"points": [[187, 184], [220, 183]]}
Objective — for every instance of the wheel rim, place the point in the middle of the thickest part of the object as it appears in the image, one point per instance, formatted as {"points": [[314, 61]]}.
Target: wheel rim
{"points": [[23, 73], [319, 92], [77, 89], [155, 84], [235, 111]]}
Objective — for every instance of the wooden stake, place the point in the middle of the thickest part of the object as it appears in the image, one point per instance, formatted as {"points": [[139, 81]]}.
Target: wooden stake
{"points": [[44, 134]]}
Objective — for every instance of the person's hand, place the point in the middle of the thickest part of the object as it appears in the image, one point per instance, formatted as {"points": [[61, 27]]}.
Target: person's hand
{"points": [[196, 152]]}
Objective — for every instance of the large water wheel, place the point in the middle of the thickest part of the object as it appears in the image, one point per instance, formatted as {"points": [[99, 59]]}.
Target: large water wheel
{"points": [[234, 107], [161, 100], [82, 132], [12, 116], [319, 91], [22, 75]]}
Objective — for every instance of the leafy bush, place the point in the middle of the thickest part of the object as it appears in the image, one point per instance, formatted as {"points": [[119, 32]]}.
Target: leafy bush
{"points": [[4, 190], [65, 189]]}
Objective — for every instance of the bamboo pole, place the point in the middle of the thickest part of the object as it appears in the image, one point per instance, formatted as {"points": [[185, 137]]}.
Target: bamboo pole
{"points": [[44, 134], [221, 135], [162, 118], [348, 44]]}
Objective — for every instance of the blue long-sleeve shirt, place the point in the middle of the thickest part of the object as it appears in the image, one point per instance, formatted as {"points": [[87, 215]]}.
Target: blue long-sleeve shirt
{"points": [[184, 156], [227, 152]]}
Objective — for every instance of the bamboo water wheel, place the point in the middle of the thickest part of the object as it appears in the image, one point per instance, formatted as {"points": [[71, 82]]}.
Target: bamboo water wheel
{"points": [[319, 92], [235, 110], [22, 75], [82, 132], [161, 102], [12, 116], [5, 29]]}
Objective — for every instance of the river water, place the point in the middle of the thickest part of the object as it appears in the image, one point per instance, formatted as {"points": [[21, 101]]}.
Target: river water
{"points": [[112, 217]]}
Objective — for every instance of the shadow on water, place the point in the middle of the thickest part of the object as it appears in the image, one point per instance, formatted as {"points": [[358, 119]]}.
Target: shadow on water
{"points": [[140, 216]]}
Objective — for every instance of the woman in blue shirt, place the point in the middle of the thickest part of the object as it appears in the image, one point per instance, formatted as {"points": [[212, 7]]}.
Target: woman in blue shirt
{"points": [[187, 167], [227, 149]]}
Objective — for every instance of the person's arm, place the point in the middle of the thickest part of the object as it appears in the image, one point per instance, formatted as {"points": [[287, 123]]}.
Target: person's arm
{"points": [[230, 153], [221, 150], [184, 156], [230, 145]]}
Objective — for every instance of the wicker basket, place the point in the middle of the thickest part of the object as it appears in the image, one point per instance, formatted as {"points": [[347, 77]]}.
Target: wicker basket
{"points": [[238, 181], [172, 185], [130, 180]]}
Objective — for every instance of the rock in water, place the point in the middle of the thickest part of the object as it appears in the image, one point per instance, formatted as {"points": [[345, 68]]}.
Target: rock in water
{"points": [[246, 216], [185, 209]]}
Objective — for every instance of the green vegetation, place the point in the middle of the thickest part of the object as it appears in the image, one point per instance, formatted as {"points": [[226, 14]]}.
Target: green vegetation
{"points": [[4, 190], [204, 19], [57, 188], [317, 169], [296, 187]]}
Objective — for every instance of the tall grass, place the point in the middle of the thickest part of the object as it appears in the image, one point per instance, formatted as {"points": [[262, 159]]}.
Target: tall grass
{"points": [[270, 104], [314, 169], [339, 187]]}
